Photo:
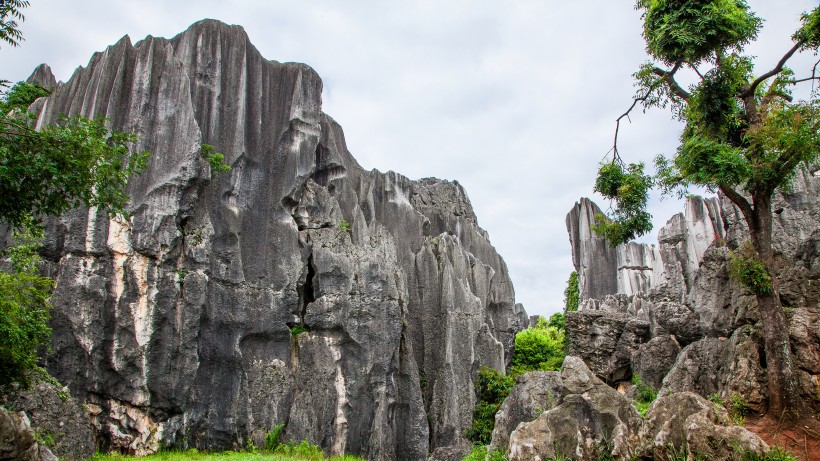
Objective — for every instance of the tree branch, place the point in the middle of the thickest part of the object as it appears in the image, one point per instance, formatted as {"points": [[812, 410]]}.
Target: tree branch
{"points": [[668, 77], [614, 150], [739, 200], [750, 90]]}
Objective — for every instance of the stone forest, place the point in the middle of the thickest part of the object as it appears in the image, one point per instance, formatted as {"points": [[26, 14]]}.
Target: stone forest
{"points": [[263, 291]]}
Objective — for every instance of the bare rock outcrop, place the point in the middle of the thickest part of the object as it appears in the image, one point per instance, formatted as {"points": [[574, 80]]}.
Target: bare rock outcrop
{"points": [[352, 306], [58, 417], [590, 420], [686, 423], [18, 440], [701, 327], [534, 393]]}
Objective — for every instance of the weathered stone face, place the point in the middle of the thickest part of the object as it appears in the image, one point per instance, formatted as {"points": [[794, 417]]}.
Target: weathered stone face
{"points": [[176, 324], [701, 325]]}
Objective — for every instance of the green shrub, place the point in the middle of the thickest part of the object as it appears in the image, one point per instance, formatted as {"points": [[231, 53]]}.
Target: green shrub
{"points": [[539, 348], [482, 453], [303, 450], [215, 160], [491, 388], [272, 438], [644, 395], [748, 270], [296, 330], [24, 311], [572, 293]]}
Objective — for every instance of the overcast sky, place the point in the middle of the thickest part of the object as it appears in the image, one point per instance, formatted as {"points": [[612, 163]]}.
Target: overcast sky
{"points": [[514, 99]]}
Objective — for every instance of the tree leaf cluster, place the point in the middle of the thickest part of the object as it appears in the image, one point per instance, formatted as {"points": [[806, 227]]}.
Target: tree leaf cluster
{"points": [[24, 310], [629, 187], [9, 16], [491, 388], [691, 31]]}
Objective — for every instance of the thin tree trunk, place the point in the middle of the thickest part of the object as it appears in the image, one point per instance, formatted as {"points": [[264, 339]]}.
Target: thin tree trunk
{"points": [[781, 376]]}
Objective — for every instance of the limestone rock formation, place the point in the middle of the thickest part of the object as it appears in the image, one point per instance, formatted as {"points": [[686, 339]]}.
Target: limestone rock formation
{"points": [[18, 441], [534, 393], [686, 423], [698, 329], [353, 306], [589, 420], [58, 417], [592, 419]]}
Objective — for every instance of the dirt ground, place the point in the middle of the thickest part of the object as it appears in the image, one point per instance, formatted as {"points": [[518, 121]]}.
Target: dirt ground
{"points": [[801, 438]]}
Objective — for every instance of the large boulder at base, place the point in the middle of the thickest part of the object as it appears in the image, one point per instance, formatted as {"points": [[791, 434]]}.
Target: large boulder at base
{"points": [[533, 394], [178, 326], [687, 423], [591, 420], [52, 410], [18, 441]]}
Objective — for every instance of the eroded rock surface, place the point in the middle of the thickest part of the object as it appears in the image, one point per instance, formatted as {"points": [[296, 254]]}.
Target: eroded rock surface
{"points": [[58, 417], [18, 440], [175, 326], [701, 327], [592, 421]]}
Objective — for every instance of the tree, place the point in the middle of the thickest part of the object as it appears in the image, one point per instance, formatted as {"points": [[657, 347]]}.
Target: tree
{"points": [[744, 136], [9, 15], [45, 172]]}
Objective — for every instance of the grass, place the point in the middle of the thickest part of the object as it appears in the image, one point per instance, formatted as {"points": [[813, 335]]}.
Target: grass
{"points": [[194, 455]]}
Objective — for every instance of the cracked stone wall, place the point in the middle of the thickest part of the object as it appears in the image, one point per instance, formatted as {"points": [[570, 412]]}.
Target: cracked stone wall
{"points": [[175, 324]]}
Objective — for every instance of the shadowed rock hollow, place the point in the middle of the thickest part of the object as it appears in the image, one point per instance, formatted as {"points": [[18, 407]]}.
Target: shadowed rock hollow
{"points": [[175, 326]]}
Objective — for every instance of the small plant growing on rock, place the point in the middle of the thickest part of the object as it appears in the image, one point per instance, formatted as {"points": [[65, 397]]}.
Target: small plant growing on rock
{"points": [[298, 329], [747, 269], [272, 438], [644, 395], [215, 160], [491, 388], [343, 225]]}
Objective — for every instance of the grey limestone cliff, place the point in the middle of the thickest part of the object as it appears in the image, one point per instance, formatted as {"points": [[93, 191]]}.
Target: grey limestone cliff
{"points": [[175, 326], [670, 313]]}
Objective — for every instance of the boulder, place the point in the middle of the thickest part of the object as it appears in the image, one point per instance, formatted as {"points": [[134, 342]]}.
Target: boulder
{"points": [[53, 411], [686, 423], [533, 394], [654, 358], [18, 441], [591, 420]]}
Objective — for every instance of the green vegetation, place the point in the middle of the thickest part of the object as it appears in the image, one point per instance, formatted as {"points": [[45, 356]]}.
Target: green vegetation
{"points": [[482, 453], [540, 347], [195, 455], [215, 160], [572, 293], [344, 225], [644, 395], [24, 310], [296, 330], [273, 438], [9, 15], [744, 135], [491, 388], [746, 269]]}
